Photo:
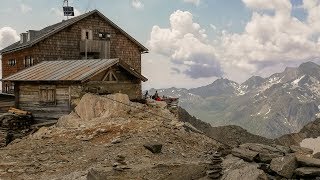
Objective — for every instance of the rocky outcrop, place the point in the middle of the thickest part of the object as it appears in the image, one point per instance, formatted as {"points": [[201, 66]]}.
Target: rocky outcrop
{"points": [[274, 161]]}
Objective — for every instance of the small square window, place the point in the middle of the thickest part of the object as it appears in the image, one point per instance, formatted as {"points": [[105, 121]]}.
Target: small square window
{"points": [[103, 35], [12, 62], [28, 61], [47, 95]]}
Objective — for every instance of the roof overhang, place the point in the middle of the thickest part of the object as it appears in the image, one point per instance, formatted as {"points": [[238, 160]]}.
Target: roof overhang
{"points": [[69, 71]]}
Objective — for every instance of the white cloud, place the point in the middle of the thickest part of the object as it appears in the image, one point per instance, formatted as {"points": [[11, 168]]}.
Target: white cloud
{"points": [[137, 4], [7, 36], [186, 44], [195, 2], [24, 8], [270, 41]]}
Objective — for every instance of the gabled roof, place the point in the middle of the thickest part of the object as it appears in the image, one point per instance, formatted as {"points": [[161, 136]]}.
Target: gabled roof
{"points": [[50, 30], [68, 70]]}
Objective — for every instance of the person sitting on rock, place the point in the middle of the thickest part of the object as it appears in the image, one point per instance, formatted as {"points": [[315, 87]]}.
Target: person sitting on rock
{"points": [[146, 95]]}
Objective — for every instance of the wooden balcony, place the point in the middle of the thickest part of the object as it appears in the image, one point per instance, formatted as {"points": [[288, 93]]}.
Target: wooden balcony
{"points": [[94, 46]]}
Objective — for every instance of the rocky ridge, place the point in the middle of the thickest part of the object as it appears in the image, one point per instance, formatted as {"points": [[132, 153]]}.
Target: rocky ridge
{"points": [[106, 139]]}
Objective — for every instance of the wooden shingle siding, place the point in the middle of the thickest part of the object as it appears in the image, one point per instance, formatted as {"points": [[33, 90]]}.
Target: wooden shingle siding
{"points": [[65, 45]]}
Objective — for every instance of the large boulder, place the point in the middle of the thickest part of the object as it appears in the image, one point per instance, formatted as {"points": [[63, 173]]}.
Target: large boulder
{"points": [[93, 106], [308, 161], [236, 168], [284, 166]]}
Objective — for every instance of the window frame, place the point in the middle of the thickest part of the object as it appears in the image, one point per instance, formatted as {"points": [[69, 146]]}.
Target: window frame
{"points": [[28, 61], [48, 90], [12, 62]]}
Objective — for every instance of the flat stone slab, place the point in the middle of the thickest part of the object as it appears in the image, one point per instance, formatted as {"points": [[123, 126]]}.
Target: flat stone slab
{"points": [[284, 166], [307, 171], [261, 148], [244, 154], [308, 161], [301, 150], [154, 147]]}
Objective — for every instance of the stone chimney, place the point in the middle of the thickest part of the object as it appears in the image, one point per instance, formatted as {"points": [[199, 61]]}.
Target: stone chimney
{"points": [[31, 35], [23, 37]]}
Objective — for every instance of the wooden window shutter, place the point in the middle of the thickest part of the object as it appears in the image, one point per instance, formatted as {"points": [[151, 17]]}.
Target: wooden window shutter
{"points": [[83, 34], [47, 95], [90, 35]]}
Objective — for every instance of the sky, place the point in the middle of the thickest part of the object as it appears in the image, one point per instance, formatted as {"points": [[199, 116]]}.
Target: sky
{"points": [[193, 42]]}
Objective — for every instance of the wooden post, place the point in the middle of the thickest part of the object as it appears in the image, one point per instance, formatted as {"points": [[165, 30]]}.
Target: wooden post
{"points": [[16, 94], [86, 49], [70, 98]]}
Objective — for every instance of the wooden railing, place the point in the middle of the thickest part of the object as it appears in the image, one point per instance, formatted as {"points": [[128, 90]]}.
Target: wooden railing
{"points": [[94, 46]]}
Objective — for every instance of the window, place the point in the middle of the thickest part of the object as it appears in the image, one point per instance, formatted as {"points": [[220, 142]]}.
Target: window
{"points": [[110, 76], [12, 87], [86, 34], [6, 89], [105, 36], [28, 61], [12, 62], [47, 95]]}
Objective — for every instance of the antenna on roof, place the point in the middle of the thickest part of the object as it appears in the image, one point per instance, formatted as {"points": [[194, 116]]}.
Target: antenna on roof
{"points": [[67, 10]]}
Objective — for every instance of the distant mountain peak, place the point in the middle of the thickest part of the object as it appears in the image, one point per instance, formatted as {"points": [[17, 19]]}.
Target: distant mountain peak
{"points": [[253, 82], [310, 68], [308, 64]]}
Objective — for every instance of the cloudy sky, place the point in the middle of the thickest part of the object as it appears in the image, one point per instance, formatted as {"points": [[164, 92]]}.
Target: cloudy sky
{"points": [[193, 42]]}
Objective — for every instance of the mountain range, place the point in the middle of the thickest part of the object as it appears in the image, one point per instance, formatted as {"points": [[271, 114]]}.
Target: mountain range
{"points": [[280, 104]]}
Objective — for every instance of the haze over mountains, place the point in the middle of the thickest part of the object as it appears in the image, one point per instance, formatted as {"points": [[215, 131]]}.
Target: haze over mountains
{"points": [[280, 104]]}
